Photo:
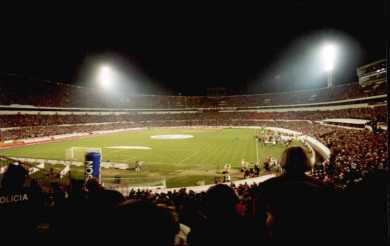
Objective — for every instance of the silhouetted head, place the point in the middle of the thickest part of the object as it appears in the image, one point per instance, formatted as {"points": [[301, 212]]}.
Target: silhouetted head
{"points": [[14, 177], [110, 198], [76, 187], [144, 223], [93, 185], [221, 200], [294, 161]]}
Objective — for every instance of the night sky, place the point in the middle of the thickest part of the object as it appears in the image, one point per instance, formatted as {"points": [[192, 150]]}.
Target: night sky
{"points": [[188, 49]]}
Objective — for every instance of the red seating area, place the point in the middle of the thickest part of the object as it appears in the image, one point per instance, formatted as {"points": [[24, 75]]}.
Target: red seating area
{"points": [[20, 119]]}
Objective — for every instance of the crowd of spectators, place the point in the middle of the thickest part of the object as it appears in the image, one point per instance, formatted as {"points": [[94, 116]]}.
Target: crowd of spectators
{"points": [[356, 156], [359, 152], [291, 208], [52, 94], [48, 131], [16, 126], [268, 213], [356, 153], [378, 113]]}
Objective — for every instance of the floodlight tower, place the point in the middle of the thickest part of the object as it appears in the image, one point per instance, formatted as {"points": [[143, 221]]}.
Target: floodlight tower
{"points": [[105, 76], [329, 57], [330, 78]]}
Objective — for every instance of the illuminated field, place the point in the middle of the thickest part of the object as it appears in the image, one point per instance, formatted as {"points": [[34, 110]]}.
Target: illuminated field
{"points": [[183, 158]]}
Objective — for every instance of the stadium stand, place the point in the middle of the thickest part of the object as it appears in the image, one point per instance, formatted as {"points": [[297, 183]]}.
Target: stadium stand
{"points": [[16, 125], [18, 119], [53, 94], [352, 178]]}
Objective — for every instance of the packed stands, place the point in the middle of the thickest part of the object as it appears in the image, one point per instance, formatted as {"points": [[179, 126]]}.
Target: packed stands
{"points": [[52, 94], [37, 118], [347, 142], [357, 168]]}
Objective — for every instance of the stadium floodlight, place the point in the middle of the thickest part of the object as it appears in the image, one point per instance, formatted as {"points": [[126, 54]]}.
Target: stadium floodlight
{"points": [[328, 56], [105, 76]]}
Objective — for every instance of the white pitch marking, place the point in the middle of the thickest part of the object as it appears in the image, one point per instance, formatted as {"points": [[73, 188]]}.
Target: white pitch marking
{"points": [[128, 147]]}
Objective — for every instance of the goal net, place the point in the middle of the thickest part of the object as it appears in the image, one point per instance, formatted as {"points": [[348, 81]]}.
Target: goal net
{"points": [[78, 153]]}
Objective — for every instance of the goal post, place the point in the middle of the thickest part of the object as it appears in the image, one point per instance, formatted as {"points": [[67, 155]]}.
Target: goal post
{"points": [[78, 153]]}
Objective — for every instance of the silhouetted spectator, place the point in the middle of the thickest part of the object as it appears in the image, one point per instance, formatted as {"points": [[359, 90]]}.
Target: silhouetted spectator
{"points": [[70, 218], [20, 206], [142, 223], [257, 169], [294, 205], [223, 224]]}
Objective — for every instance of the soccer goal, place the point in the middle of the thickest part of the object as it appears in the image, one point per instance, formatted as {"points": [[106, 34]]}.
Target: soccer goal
{"points": [[78, 153]]}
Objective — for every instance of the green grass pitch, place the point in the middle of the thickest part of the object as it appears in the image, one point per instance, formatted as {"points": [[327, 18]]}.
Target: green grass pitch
{"points": [[181, 162]]}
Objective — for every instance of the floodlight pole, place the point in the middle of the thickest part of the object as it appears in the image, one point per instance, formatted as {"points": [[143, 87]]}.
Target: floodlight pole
{"points": [[330, 78], [257, 151]]}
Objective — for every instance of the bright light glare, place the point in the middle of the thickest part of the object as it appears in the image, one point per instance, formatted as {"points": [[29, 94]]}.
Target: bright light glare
{"points": [[105, 76], [328, 56]]}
